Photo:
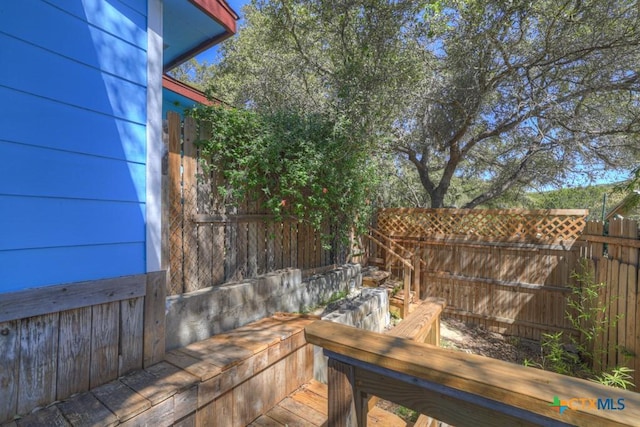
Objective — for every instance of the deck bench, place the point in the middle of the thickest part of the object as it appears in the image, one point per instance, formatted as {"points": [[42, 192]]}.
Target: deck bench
{"points": [[229, 379]]}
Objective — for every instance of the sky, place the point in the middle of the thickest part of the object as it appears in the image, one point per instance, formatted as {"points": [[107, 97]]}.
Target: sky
{"points": [[211, 54]]}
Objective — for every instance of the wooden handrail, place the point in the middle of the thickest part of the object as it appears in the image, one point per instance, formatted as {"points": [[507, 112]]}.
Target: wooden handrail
{"points": [[412, 266], [455, 387], [392, 242], [400, 257]]}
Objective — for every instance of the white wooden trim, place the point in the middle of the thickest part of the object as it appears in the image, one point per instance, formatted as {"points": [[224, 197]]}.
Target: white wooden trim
{"points": [[155, 147]]}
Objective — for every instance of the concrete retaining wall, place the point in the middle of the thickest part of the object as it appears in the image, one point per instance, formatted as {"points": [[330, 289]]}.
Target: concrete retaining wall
{"points": [[369, 311], [201, 314]]}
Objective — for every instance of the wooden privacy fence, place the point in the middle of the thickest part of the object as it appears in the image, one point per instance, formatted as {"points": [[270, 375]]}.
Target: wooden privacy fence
{"points": [[508, 270], [614, 260], [212, 240]]}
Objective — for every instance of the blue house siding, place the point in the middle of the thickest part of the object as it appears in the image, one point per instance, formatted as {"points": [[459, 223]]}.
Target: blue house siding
{"points": [[72, 140]]}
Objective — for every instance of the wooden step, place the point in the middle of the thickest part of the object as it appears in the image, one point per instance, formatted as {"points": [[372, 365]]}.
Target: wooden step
{"points": [[375, 278]]}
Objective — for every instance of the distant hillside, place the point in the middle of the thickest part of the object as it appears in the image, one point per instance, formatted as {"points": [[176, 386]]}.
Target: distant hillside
{"points": [[576, 198]]}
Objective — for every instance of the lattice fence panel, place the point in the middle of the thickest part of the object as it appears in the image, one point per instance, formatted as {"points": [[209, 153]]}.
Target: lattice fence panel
{"points": [[536, 226]]}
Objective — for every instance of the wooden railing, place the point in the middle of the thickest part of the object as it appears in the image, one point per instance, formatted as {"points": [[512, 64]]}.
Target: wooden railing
{"points": [[411, 266], [455, 387], [422, 326]]}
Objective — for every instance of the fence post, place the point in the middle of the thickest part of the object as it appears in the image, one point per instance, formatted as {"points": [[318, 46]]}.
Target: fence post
{"points": [[416, 275], [176, 279], [407, 289]]}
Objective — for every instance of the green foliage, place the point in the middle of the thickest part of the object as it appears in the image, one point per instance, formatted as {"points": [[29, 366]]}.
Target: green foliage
{"points": [[618, 377], [304, 166], [588, 315], [585, 311], [483, 115], [590, 197], [484, 99], [407, 414], [336, 296]]}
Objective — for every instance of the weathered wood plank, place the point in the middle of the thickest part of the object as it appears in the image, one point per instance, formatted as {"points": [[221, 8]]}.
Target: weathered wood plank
{"points": [[288, 418], [266, 421], [9, 374], [250, 399], [74, 352], [176, 213], [53, 299], [286, 246], [131, 335], [165, 201], [205, 191], [154, 318], [50, 417], [189, 197], [242, 245], [312, 416], [272, 229], [160, 415], [252, 243], [217, 351], [105, 335], [217, 413], [159, 382], [87, 411], [201, 369], [188, 421], [121, 400], [185, 403], [38, 360]]}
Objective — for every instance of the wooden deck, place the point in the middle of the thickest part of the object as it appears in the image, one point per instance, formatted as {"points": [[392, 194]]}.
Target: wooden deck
{"points": [[308, 407]]}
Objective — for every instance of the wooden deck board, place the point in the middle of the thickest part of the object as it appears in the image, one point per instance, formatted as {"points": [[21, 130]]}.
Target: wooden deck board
{"points": [[307, 406], [199, 368], [312, 400], [266, 421], [314, 417], [288, 418]]}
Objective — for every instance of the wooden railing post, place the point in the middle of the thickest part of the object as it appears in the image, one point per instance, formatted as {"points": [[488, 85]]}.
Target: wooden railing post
{"points": [[406, 289], [416, 275], [347, 408]]}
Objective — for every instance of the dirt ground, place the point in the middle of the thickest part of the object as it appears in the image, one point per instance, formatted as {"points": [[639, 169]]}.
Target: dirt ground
{"points": [[477, 340]]}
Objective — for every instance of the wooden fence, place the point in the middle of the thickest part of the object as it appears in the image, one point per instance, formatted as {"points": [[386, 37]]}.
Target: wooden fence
{"points": [[614, 260], [512, 271], [61, 340], [212, 240], [508, 270]]}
